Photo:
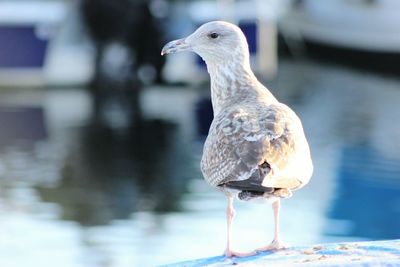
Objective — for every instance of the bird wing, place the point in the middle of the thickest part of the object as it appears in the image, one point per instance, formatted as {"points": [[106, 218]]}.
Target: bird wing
{"points": [[243, 139]]}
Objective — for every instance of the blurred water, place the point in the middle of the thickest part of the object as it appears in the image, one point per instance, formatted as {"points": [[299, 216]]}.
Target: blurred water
{"points": [[74, 192]]}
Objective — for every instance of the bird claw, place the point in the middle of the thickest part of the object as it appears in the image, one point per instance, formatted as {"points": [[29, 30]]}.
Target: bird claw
{"points": [[274, 246], [231, 253]]}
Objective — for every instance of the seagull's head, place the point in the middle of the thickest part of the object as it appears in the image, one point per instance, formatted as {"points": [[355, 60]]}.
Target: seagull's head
{"points": [[213, 41]]}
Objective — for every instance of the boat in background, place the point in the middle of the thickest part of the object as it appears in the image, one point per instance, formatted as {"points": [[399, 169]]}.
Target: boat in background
{"points": [[365, 25], [37, 47]]}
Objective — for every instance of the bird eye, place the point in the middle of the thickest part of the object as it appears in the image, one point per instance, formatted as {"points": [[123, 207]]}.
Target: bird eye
{"points": [[213, 35]]}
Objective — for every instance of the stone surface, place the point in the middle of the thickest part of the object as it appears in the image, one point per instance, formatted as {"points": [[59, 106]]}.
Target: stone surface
{"points": [[372, 253]]}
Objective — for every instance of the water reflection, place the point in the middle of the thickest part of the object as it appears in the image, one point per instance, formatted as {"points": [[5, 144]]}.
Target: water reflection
{"points": [[368, 194], [110, 172], [100, 186], [24, 124]]}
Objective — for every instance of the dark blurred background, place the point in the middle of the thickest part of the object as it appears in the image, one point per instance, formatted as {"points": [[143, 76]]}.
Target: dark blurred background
{"points": [[101, 137]]}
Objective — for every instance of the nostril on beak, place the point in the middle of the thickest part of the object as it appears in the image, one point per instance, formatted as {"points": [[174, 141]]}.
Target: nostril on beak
{"points": [[175, 46]]}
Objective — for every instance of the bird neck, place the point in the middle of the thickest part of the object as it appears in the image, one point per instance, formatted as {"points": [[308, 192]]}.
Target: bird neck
{"points": [[232, 80]]}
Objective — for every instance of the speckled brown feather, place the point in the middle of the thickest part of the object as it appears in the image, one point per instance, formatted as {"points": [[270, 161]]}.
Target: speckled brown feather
{"points": [[244, 136]]}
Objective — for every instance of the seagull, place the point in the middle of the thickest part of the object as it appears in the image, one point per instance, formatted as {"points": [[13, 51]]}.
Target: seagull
{"points": [[256, 148]]}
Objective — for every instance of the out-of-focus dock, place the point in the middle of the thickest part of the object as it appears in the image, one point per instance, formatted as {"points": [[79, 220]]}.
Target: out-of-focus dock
{"points": [[372, 253]]}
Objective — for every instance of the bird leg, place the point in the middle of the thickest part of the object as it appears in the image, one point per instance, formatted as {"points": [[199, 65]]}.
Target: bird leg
{"points": [[230, 213], [276, 243]]}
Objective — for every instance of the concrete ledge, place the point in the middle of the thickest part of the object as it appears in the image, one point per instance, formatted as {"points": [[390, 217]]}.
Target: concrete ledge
{"points": [[373, 253]]}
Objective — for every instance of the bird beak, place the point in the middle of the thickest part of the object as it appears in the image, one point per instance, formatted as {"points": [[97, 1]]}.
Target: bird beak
{"points": [[176, 46]]}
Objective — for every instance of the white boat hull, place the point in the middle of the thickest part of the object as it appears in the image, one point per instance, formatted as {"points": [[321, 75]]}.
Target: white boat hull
{"points": [[357, 24]]}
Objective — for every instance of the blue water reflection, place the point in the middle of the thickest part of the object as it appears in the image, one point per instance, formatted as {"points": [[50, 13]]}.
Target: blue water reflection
{"points": [[368, 193]]}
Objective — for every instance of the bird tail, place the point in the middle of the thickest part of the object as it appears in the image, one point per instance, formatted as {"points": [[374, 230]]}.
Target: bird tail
{"points": [[254, 182]]}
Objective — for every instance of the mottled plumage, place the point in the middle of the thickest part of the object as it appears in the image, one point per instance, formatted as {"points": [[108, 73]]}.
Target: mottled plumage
{"points": [[256, 147], [244, 136]]}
